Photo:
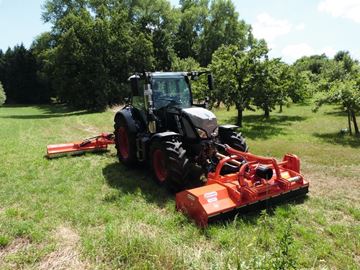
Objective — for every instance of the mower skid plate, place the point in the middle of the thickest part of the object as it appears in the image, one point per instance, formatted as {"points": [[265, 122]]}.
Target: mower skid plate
{"points": [[224, 208]]}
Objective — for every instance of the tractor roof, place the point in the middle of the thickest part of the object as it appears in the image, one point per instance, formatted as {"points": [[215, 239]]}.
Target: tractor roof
{"points": [[168, 74]]}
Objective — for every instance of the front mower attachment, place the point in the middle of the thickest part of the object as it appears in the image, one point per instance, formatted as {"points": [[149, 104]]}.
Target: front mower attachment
{"points": [[93, 144], [257, 182]]}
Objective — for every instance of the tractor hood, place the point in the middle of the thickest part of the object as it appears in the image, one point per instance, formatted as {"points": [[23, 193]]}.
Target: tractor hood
{"points": [[202, 118]]}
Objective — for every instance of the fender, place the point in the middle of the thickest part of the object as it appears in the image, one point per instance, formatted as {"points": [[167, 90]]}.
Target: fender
{"points": [[166, 134], [129, 115]]}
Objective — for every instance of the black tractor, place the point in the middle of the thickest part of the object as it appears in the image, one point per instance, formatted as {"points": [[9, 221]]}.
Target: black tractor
{"points": [[162, 126]]}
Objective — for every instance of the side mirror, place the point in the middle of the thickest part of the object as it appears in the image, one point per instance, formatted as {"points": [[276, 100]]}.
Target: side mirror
{"points": [[134, 82], [211, 81]]}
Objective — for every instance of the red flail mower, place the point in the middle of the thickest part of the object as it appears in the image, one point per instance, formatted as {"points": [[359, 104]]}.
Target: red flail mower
{"points": [[258, 182]]}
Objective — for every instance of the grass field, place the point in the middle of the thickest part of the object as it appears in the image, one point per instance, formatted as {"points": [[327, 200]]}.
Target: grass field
{"points": [[90, 212]]}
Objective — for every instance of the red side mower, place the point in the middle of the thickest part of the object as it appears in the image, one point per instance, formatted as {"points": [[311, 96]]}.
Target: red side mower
{"points": [[92, 144]]}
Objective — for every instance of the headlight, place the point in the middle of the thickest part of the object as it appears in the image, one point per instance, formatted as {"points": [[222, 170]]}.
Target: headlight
{"points": [[202, 133], [215, 132]]}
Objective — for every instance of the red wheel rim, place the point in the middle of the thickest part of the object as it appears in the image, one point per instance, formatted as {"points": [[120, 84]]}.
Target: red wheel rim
{"points": [[159, 165], [123, 143]]}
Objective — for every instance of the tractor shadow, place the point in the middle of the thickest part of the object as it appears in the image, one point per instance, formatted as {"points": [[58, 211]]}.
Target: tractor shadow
{"points": [[258, 127], [339, 138], [136, 180], [48, 111]]}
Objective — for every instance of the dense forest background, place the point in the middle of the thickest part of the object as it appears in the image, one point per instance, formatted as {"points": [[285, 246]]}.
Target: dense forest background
{"points": [[93, 46]]}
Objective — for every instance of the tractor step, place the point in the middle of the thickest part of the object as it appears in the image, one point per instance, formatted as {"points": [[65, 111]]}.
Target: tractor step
{"points": [[94, 144]]}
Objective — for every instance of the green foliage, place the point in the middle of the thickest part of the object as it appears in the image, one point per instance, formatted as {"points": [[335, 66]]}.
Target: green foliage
{"points": [[193, 15], [2, 95], [198, 87], [94, 46], [235, 70], [18, 73], [187, 64], [245, 78], [158, 20], [272, 85], [222, 27], [343, 87]]}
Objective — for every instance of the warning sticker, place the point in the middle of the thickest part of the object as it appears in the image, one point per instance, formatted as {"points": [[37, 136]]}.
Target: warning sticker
{"points": [[211, 196]]}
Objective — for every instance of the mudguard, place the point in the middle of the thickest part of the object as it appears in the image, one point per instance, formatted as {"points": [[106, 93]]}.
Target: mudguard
{"points": [[165, 134], [131, 117]]}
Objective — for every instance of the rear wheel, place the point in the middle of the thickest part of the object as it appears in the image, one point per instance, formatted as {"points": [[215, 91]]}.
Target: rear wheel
{"points": [[234, 140], [125, 142], [169, 163]]}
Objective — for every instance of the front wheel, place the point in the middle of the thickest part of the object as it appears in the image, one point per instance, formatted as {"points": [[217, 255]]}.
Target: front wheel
{"points": [[169, 163], [234, 140]]}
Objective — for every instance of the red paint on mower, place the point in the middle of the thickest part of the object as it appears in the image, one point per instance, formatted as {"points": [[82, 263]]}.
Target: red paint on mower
{"points": [[233, 192], [93, 144]]}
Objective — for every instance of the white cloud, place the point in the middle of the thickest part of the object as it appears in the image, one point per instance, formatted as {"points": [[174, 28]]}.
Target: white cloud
{"points": [[349, 9], [296, 51], [300, 26], [329, 51], [269, 28]]}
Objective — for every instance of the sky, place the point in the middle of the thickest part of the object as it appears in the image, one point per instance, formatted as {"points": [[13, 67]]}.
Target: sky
{"points": [[291, 28]]}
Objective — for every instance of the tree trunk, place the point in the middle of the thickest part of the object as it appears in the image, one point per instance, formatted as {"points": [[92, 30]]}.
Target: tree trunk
{"points": [[281, 110], [356, 128], [266, 112], [239, 117], [349, 121]]}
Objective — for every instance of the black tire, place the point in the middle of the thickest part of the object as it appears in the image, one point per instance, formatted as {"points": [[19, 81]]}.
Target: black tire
{"points": [[125, 142], [169, 163], [234, 140]]}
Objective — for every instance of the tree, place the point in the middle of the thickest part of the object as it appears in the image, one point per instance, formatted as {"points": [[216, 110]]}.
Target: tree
{"points": [[271, 87], [347, 94], [198, 87], [193, 14], [18, 73], [157, 20], [222, 27], [342, 87], [300, 86], [234, 71], [93, 54], [2, 95]]}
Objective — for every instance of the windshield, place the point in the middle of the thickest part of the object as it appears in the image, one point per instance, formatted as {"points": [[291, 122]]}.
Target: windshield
{"points": [[171, 91]]}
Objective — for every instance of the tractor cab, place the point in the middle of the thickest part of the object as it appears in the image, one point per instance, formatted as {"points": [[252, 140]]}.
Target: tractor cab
{"points": [[170, 89]]}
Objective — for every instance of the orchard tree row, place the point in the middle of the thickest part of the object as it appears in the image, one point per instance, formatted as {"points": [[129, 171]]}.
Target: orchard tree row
{"points": [[93, 47]]}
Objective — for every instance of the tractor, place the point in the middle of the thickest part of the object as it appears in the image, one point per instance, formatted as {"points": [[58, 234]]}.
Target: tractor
{"points": [[206, 164], [162, 125]]}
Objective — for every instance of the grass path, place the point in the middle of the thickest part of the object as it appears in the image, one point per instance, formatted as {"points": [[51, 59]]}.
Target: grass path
{"points": [[90, 212]]}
